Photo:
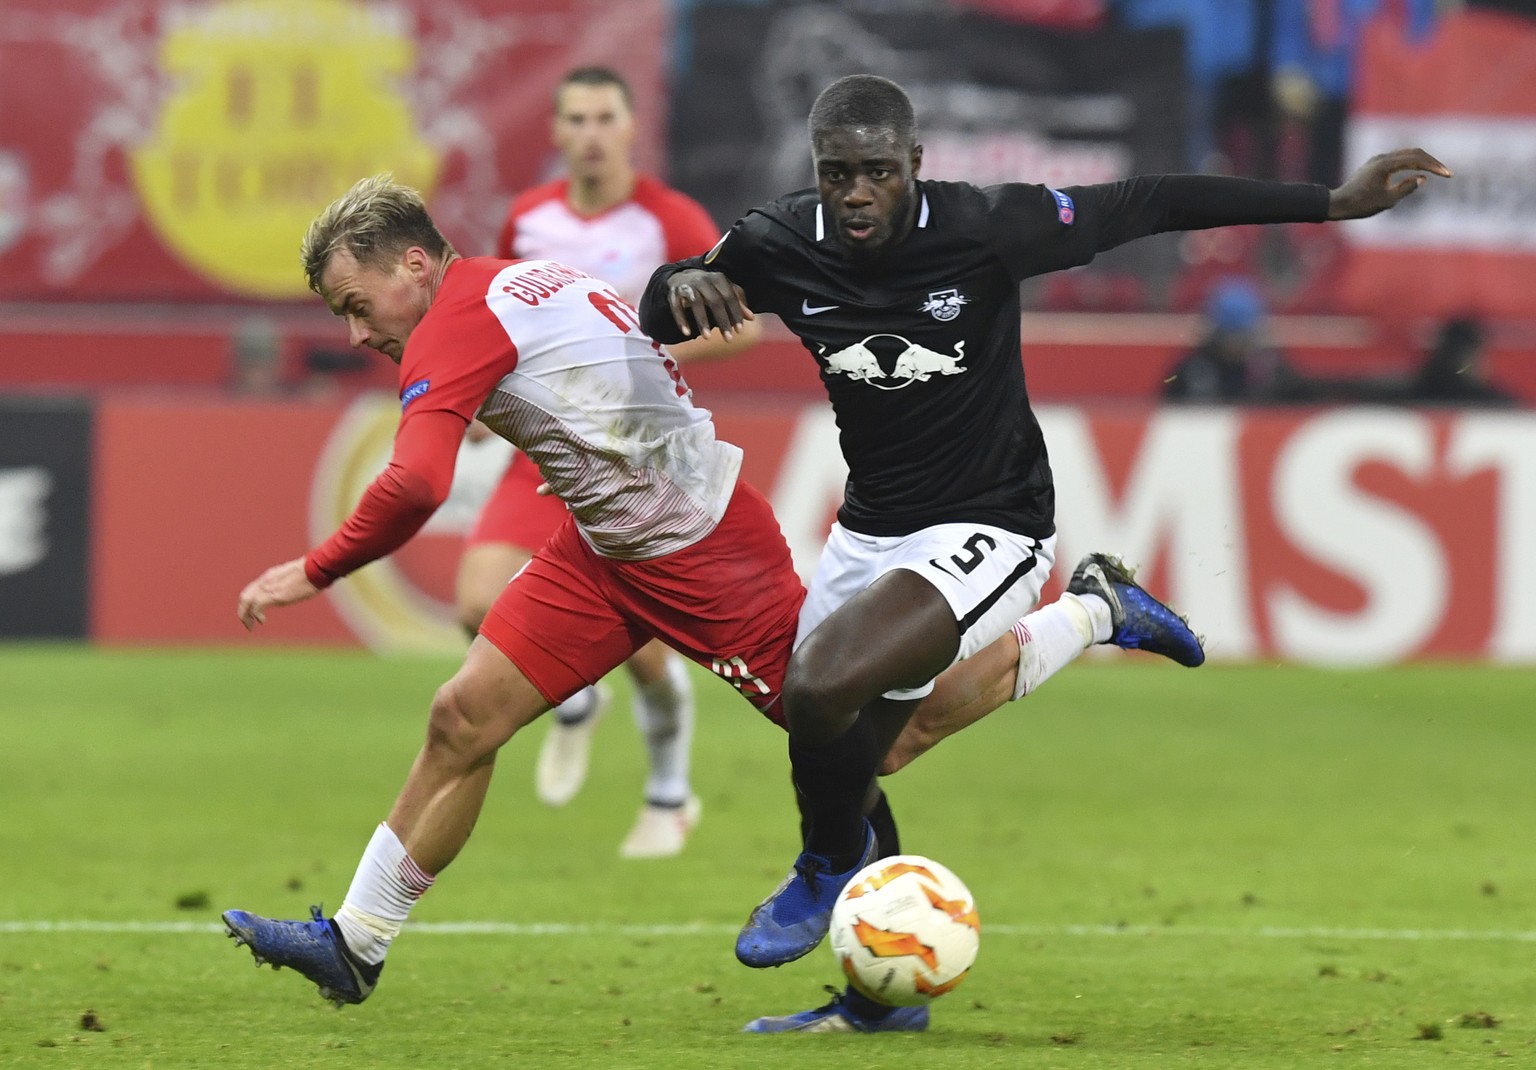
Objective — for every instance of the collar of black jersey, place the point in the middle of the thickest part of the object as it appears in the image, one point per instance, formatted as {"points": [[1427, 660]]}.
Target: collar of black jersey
{"points": [[922, 216]]}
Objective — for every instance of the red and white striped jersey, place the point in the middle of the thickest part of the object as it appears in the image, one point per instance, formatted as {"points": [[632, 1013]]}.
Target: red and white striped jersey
{"points": [[554, 361], [621, 246]]}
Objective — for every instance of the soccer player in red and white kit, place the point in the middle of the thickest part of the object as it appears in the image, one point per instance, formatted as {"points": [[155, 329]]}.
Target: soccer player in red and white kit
{"points": [[608, 220], [661, 537]]}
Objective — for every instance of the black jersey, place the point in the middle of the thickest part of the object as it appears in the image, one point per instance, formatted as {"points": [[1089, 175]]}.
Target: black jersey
{"points": [[919, 349]]}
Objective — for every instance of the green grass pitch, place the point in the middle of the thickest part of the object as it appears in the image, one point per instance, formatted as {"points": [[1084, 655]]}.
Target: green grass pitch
{"points": [[1234, 867]]}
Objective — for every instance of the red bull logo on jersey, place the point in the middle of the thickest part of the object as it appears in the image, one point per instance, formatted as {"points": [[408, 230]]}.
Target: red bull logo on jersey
{"points": [[909, 362]]}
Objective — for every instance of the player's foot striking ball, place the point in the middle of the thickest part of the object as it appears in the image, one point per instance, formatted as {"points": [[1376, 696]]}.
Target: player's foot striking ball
{"points": [[314, 948], [795, 916], [1140, 621]]}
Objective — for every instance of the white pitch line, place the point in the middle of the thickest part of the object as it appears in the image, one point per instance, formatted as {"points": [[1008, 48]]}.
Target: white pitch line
{"points": [[506, 928]]}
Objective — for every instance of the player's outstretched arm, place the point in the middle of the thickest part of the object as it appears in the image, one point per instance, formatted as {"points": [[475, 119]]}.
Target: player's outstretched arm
{"points": [[1376, 186], [280, 585], [1152, 204], [393, 508]]}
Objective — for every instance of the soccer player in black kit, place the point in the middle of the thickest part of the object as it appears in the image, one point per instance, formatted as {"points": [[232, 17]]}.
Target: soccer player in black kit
{"points": [[906, 293]]}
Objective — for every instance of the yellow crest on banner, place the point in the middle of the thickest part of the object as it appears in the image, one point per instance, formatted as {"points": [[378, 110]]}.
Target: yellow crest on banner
{"points": [[278, 107]]}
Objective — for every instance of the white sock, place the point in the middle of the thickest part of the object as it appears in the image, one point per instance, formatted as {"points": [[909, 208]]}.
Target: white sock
{"points": [[385, 887], [578, 707], [1101, 624], [1053, 636], [664, 712]]}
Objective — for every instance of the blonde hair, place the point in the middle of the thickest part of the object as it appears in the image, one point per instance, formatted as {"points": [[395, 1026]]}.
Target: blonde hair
{"points": [[378, 218]]}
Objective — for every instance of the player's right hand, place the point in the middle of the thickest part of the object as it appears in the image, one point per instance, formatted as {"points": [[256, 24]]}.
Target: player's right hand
{"points": [[280, 585], [703, 299]]}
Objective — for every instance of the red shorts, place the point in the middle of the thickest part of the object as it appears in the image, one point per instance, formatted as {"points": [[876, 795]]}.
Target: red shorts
{"points": [[515, 512], [730, 602]]}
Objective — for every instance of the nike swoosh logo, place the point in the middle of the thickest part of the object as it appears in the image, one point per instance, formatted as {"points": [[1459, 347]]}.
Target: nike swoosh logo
{"points": [[808, 309]]}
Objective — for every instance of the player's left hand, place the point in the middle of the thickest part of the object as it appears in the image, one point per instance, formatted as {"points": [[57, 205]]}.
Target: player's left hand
{"points": [[280, 585], [1372, 189]]}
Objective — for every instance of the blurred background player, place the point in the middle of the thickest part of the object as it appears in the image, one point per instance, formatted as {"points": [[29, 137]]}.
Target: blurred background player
{"points": [[608, 220]]}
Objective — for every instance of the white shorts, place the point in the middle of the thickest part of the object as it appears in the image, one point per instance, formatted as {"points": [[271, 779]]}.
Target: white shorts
{"points": [[990, 578]]}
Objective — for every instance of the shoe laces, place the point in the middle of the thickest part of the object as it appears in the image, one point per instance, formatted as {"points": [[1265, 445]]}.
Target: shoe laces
{"points": [[810, 867], [835, 1002]]}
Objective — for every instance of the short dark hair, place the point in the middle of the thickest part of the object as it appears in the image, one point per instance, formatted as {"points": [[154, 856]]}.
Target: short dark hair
{"points": [[596, 76], [864, 100]]}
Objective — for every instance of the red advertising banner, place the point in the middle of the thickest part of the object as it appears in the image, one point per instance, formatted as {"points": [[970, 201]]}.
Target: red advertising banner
{"points": [[1358, 536], [165, 150], [192, 501], [195, 498], [1355, 536], [1468, 96]]}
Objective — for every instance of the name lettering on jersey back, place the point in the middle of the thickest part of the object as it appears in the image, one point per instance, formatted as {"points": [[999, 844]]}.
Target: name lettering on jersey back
{"points": [[536, 284]]}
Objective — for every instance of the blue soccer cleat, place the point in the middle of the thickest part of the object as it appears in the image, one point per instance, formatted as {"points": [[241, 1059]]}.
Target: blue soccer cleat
{"points": [[314, 948], [1140, 622], [839, 1017], [795, 916]]}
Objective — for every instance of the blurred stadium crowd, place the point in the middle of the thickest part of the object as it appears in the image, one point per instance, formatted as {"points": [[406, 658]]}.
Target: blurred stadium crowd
{"points": [[149, 206]]}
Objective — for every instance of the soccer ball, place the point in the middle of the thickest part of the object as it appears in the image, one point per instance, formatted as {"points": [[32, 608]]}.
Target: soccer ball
{"points": [[905, 930]]}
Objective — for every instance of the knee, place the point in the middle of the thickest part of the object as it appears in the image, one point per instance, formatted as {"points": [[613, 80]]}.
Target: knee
{"points": [[456, 730], [816, 702]]}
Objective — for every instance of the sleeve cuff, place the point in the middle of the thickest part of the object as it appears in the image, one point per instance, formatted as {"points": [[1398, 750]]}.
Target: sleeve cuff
{"points": [[316, 575]]}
